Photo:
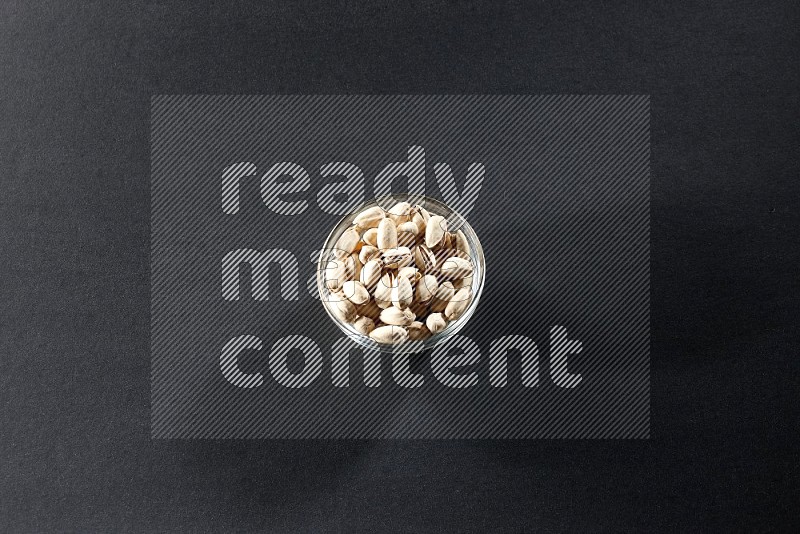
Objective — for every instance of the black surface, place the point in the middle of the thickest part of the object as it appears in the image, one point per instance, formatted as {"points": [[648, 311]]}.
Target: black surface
{"points": [[74, 385]]}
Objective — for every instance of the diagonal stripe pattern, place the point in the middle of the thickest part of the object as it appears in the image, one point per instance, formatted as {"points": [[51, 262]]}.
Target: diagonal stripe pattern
{"points": [[245, 189]]}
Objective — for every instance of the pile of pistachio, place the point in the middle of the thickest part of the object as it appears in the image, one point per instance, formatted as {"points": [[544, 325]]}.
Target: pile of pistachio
{"points": [[399, 275]]}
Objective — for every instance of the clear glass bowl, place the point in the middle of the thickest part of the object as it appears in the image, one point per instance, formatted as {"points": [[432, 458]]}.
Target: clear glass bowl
{"points": [[454, 222]]}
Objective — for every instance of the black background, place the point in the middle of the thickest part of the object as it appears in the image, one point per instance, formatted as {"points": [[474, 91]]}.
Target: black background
{"points": [[74, 385]]}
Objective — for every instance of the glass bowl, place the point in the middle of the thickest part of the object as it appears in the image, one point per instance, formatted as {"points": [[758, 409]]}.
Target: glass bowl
{"points": [[455, 222]]}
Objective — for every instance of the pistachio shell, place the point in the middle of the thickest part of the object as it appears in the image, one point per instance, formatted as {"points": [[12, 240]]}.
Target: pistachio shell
{"points": [[396, 316], [340, 254], [461, 242], [435, 323], [365, 325], [423, 212], [400, 212], [335, 274], [455, 268], [342, 308], [371, 274], [424, 258], [435, 230], [383, 291], [418, 220], [402, 294], [355, 292], [389, 334], [440, 257], [387, 234], [395, 258], [412, 273], [444, 254], [369, 218], [354, 266], [348, 240], [409, 227], [370, 237], [406, 260], [458, 304], [442, 296], [426, 287], [447, 240], [368, 252]]}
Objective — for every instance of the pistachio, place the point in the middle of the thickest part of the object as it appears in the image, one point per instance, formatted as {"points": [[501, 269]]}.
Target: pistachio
{"points": [[397, 317], [335, 274], [461, 242], [368, 252], [424, 258], [419, 221], [400, 212], [364, 325], [348, 240], [383, 291], [435, 323], [458, 304], [442, 296], [402, 294], [426, 287], [354, 267], [371, 274], [355, 292], [435, 230], [395, 258], [387, 234], [370, 237], [388, 334], [456, 268], [409, 227], [369, 218], [412, 273], [343, 308]]}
